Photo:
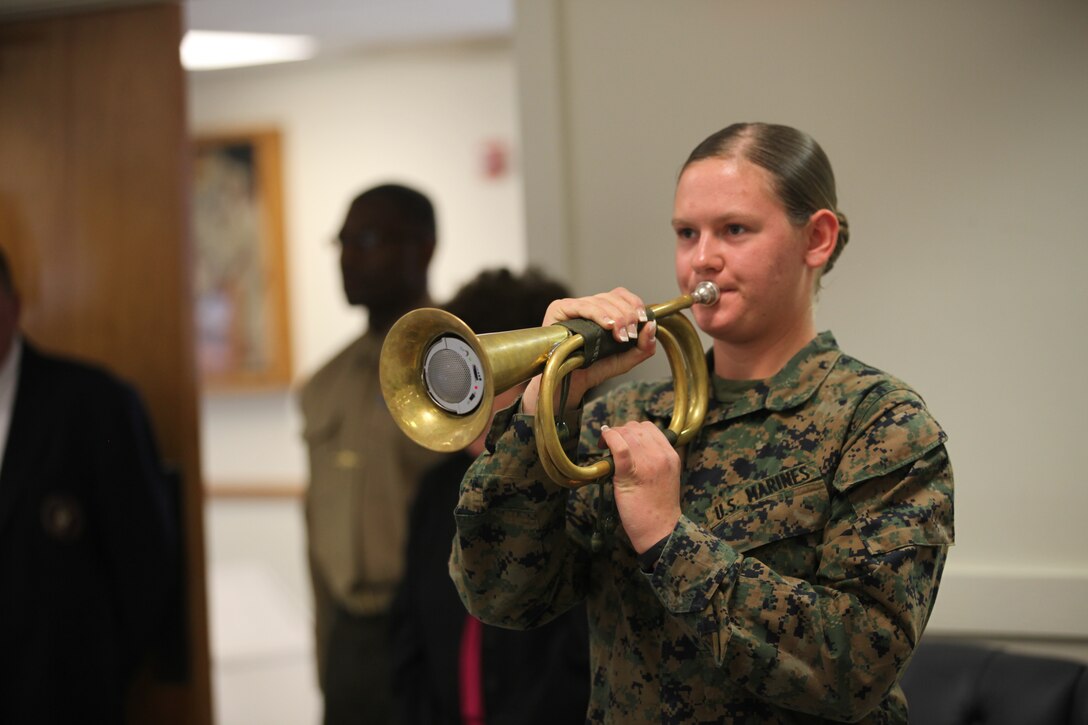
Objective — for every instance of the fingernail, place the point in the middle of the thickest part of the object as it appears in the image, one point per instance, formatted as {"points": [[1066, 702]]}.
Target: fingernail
{"points": [[623, 334], [642, 315], [652, 324], [632, 330], [604, 426]]}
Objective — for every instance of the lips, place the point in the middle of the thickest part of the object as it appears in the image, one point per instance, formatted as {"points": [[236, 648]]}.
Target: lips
{"points": [[724, 290]]}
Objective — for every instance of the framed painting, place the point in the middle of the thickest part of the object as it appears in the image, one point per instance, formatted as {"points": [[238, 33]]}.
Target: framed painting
{"points": [[240, 292]]}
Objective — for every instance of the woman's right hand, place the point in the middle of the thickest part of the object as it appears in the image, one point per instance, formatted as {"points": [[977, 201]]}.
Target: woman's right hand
{"points": [[620, 311]]}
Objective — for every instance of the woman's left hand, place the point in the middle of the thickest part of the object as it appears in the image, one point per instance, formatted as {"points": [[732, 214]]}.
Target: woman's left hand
{"points": [[646, 482]]}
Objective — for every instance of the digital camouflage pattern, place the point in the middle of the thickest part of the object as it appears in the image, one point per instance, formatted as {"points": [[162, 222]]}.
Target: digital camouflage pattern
{"points": [[817, 514]]}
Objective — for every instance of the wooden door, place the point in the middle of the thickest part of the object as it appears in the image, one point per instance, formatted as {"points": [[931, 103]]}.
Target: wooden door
{"points": [[93, 214]]}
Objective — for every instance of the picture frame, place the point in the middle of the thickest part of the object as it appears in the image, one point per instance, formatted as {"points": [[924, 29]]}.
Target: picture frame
{"points": [[239, 280]]}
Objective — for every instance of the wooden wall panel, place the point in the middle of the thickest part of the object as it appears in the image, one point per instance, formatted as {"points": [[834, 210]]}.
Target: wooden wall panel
{"points": [[93, 212]]}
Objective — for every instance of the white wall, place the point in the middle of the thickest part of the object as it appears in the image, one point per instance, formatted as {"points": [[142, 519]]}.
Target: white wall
{"points": [[957, 131], [421, 116]]}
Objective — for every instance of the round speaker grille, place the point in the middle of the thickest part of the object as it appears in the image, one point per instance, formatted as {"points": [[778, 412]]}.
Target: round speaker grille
{"points": [[448, 374], [454, 375]]}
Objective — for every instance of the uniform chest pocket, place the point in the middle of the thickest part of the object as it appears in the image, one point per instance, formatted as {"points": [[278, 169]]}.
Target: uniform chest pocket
{"points": [[332, 465], [783, 530]]}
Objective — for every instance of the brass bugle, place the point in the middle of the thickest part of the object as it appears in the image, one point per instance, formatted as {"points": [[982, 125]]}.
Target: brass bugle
{"points": [[439, 379]]}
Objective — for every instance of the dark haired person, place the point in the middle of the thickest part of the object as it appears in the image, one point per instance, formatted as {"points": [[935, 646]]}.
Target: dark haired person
{"points": [[363, 470], [783, 565], [88, 536], [450, 669]]}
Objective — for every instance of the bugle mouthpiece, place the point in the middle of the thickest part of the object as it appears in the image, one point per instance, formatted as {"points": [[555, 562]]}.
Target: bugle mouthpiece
{"points": [[705, 293]]}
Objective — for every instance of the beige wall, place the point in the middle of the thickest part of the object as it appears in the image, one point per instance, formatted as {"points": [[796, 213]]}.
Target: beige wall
{"points": [[957, 135]]}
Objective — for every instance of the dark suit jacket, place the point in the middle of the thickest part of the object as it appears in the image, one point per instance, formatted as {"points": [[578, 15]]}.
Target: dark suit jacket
{"points": [[534, 677], [86, 544]]}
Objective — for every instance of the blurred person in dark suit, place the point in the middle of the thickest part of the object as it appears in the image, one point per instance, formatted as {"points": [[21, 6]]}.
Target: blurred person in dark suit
{"points": [[87, 535], [449, 669]]}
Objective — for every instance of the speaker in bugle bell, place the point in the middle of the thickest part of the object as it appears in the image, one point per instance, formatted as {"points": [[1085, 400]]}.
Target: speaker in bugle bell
{"points": [[439, 379]]}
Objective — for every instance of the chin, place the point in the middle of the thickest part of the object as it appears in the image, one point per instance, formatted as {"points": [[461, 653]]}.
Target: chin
{"points": [[709, 319]]}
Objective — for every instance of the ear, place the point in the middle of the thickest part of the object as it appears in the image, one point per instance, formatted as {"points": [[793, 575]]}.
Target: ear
{"points": [[822, 234], [417, 255], [426, 251]]}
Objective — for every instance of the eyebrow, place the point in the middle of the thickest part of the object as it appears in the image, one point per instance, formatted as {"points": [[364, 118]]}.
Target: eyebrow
{"points": [[732, 217]]}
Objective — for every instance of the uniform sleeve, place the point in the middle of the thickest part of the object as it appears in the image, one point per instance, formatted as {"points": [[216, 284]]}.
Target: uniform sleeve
{"points": [[512, 562], [834, 644]]}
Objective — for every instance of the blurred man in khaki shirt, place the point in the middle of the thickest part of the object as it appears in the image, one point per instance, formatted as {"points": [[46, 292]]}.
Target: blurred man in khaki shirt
{"points": [[363, 470]]}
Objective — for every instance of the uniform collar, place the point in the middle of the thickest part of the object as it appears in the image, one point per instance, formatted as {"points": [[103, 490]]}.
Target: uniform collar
{"points": [[368, 347], [789, 387]]}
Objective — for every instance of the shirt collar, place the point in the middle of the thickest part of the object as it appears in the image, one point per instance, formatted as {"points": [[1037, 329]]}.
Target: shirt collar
{"points": [[9, 366], [791, 386], [368, 347], [9, 380]]}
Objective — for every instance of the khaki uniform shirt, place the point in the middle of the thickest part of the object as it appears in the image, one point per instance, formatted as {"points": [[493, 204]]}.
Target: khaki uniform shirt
{"points": [[363, 476], [817, 512]]}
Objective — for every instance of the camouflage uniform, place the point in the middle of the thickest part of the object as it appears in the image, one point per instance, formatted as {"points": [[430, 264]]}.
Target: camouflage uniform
{"points": [[817, 513]]}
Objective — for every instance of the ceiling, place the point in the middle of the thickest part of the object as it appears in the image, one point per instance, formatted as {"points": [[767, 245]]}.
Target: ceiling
{"points": [[337, 25]]}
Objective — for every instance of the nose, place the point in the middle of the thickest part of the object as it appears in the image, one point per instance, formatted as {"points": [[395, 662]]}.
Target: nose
{"points": [[706, 256]]}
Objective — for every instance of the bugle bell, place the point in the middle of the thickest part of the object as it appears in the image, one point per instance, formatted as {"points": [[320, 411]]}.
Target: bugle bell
{"points": [[440, 379]]}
